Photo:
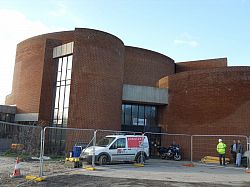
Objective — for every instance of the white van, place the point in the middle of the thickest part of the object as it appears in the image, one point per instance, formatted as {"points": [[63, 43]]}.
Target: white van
{"points": [[118, 148]]}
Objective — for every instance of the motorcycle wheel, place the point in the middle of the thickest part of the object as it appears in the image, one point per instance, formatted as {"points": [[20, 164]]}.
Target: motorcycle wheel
{"points": [[169, 154], [163, 156], [177, 157]]}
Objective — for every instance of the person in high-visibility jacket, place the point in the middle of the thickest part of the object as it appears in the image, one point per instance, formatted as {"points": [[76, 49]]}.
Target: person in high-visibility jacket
{"points": [[221, 149]]}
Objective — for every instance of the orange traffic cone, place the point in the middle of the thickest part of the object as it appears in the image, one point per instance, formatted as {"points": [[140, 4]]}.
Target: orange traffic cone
{"points": [[17, 172]]}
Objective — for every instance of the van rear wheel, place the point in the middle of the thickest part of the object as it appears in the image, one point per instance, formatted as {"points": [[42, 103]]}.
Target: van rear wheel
{"points": [[103, 160], [141, 159]]}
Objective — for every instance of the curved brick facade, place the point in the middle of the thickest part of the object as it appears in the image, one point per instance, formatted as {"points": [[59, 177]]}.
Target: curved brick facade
{"points": [[30, 68], [215, 101], [97, 80], [204, 97], [145, 67], [201, 64]]}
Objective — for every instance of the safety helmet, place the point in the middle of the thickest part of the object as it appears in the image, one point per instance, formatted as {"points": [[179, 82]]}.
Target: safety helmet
{"points": [[220, 140]]}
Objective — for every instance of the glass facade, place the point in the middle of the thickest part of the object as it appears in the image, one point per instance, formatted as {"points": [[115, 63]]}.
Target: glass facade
{"points": [[138, 117], [142, 118], [63, 82]]}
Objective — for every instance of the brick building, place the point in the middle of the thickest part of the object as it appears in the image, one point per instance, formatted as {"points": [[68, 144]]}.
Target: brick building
{"points": [[89, 79]]}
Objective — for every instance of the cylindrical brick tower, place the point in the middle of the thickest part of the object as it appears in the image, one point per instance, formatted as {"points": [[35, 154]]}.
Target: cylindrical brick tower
{"points": [[97, 80], [215, 101], [32, 71], [144, 67]]}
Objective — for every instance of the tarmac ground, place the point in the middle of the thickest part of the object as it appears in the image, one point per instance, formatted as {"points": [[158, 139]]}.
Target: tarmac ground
{"points": [[155, 172]]}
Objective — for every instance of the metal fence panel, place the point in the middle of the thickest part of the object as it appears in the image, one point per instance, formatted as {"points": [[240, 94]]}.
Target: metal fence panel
{"points": [[32, 142], [158, 140], [24, 142], [58, 143], [205, 145]]}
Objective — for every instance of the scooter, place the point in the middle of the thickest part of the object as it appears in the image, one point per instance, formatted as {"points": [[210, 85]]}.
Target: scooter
{"points": [[172, 152]]}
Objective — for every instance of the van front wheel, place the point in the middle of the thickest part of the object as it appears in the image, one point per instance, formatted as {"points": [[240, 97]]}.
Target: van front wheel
{"points": [[103, 160]]}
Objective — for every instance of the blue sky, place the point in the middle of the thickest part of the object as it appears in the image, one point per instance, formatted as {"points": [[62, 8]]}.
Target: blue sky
{"points": [[181, 29]]}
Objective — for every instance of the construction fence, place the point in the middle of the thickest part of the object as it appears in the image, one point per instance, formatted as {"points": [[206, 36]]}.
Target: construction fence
{"points": [[21, 141], [203, 146], [59, 143], [159, 140], [51, 145]]}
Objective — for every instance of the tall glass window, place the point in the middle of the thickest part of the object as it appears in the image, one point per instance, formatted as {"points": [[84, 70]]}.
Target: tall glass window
{"points": [[63, 82], [134, 114], [127, 114]]}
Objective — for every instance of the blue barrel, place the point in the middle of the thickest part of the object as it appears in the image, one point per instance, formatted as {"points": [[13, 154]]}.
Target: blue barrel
{"points": [[77, 151]]}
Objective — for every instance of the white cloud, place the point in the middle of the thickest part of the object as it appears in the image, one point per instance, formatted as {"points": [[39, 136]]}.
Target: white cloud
{"points": [[15, 27], [61, 10], [186, 40]]}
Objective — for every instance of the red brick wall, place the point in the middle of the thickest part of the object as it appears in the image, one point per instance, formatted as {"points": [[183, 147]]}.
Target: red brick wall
{"points": [[145, 67], [201, 64], [215, 101], [97, 80], [48, 82], [27, 78], [29, 71]]}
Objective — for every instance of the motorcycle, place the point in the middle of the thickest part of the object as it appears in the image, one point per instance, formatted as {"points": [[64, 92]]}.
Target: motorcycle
{"points": [[172, 152]]}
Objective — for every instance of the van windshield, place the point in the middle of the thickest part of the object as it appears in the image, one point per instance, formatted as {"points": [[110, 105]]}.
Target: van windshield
{"points": [[105, 141]]}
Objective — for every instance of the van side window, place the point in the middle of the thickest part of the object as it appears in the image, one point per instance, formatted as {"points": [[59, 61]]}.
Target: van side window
{"points": [[119, 143]]}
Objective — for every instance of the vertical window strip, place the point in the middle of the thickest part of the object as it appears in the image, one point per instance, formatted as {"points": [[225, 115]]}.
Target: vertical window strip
{"points": [[62, 91]]}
